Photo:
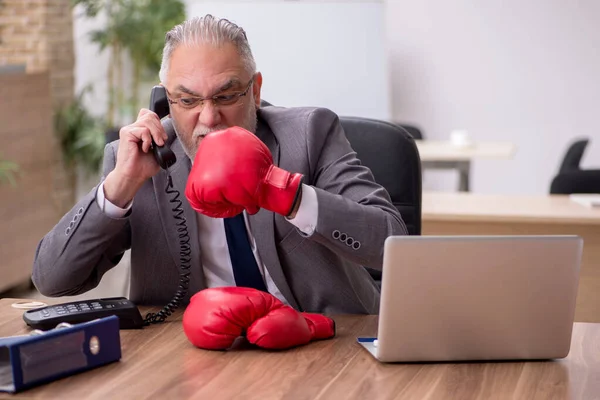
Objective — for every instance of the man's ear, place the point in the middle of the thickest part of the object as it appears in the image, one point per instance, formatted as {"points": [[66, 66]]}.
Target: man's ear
{"points": [[256, 86]]}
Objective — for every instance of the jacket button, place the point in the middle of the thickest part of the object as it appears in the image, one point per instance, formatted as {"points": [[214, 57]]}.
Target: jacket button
{"points": [[75, 217], [336, 234], [343, 237], [356, 245], [67, 231], [80, 211], [350, 241]]}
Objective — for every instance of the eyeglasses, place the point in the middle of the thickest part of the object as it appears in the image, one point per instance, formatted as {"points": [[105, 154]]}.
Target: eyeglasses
{"points": [[219, 100]]}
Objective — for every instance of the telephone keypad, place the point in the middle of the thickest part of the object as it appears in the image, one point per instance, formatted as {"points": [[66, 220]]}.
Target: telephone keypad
{"points": [[75, 307]]}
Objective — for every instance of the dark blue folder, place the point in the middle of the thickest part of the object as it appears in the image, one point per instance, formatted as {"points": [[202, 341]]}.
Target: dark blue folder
{"points": [[31, 360]]}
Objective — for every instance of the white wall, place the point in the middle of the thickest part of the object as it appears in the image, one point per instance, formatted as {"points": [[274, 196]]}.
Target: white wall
{"points": [[527, 72], [90, 64], [523, 71], [315, 53], [319, 53]]}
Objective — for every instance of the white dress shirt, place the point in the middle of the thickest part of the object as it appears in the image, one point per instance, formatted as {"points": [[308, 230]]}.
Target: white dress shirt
{"points": [[215, 259]]}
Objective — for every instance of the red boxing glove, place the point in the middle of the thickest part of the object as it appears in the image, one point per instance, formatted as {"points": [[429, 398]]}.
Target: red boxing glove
{"points": [[216, 317], [233, 170], [283, 328]]}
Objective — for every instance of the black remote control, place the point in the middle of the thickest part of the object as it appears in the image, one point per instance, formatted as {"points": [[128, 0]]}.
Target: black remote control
{"points": [[46, 318]]}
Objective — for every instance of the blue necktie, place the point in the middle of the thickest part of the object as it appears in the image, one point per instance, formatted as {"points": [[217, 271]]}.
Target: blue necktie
{"points": [[245, 269]]}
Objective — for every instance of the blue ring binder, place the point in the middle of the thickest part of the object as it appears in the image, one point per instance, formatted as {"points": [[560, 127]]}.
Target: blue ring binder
{"points": [[31, 360]]}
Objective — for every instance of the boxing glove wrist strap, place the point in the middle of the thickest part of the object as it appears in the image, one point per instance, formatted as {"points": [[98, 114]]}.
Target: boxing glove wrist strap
{"points": [[280, 191]]}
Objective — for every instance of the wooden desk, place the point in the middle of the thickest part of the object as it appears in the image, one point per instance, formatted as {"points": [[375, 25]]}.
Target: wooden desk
{"points": [[444, 155], [476, 214], [159, 363]]}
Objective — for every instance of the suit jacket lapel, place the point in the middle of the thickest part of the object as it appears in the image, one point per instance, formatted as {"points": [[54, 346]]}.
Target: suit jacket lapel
{"points": [[262, 224], [179, 174]]}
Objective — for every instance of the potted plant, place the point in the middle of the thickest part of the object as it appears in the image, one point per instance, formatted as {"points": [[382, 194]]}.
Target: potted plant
{"points": [[133, 27], [137, 28], [81, 138]]}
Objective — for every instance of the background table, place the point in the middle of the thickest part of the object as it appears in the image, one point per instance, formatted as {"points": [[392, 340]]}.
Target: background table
{"points": [[159, 363], [477, 214], [444, 155]]}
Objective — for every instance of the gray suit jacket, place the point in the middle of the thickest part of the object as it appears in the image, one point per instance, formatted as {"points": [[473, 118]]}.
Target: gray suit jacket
{"points": [[320, 273]]}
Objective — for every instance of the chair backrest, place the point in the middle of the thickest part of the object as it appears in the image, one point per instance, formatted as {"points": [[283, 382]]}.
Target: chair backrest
{"points": [[392, 155], [571, 178], [413, 130], [576, 181], [573, 156], [111, 135]]}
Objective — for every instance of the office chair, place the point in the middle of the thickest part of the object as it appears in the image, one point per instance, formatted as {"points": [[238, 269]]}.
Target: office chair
{"points": [[573, 156], [571, 178], [412, 130], [111, 135], [576, 181], [392, 156]]}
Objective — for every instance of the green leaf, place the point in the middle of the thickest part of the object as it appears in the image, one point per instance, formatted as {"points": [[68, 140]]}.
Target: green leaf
{"points": [[81, 135], [8, 172], [91, 8], [102, 38], [137, 27]]}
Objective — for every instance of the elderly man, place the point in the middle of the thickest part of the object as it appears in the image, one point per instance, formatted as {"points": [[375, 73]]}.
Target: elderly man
{"points": [[280, 184]]}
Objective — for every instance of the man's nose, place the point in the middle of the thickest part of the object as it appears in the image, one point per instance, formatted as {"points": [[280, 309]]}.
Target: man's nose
{"points": [[209, 115]]}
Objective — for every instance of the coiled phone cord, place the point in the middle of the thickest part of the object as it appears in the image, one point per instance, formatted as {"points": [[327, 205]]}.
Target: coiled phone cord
{"points": [[184, 258]]}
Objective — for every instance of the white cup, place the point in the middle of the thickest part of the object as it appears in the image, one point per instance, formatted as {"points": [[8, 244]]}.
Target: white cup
{"points": [[460, 138]]}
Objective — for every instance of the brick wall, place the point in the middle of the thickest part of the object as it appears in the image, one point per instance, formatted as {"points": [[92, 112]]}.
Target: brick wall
{"points": [[39, 35], [22, 38]]}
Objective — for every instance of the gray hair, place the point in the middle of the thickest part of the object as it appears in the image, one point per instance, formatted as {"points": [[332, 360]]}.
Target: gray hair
{"points": [[207, 29]]}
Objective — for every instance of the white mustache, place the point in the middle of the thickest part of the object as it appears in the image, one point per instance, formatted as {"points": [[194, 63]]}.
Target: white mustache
{"points": [[205, 131]]}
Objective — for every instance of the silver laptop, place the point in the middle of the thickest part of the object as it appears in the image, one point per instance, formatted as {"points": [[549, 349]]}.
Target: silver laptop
{"points": [[460, 298]]}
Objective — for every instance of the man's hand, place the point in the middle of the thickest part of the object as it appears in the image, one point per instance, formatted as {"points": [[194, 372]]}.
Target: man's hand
{"points": [[233, 170], [135, 161]]}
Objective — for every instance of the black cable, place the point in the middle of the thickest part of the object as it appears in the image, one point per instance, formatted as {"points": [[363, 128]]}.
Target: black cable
{"points": [[184, 258]]}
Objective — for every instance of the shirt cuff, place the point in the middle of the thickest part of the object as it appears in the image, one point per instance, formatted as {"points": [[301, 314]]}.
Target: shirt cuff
{"points": [[308, 213], [109, 208]]}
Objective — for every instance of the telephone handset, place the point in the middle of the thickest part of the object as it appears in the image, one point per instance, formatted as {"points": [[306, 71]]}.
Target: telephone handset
{"points": [[160, 105], [129, 317]]}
